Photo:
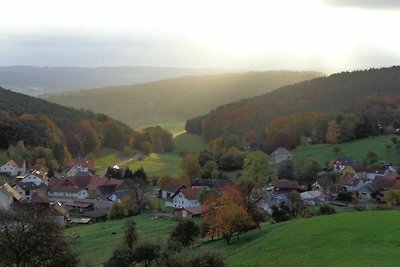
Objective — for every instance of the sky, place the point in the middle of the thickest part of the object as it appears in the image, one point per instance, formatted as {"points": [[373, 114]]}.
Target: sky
{"points": [[239, 34]]}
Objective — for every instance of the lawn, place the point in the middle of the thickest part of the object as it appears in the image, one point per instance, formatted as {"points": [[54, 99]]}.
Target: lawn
{"points": [[96, 242], [158, 165], [106, 157], [356, 149], [348, 239], [189, 143]]}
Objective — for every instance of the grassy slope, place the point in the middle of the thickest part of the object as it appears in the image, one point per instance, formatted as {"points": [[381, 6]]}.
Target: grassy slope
{"points": [[158, 165], [96, 243], [357, 149], [347, 239]]}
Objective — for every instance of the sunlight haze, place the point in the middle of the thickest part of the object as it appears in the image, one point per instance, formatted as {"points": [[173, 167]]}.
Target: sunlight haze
{"points": [[308, 34]]}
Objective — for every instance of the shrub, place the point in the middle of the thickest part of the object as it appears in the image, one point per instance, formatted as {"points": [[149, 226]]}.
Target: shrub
{"points": [[326, 210]]}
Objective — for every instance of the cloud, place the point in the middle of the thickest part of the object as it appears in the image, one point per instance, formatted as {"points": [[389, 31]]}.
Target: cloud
{"points": [[370, 4]]}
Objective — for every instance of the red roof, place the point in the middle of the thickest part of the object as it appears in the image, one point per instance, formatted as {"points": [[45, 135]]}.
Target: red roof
{"points": [[198, 210], [191, 193], [89, 163], [88, 182], [19, 162]]}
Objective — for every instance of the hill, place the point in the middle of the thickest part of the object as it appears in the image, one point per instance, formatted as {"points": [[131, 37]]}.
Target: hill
{"points": [[39, 80], [368, 99], [56, 129], [346, 239], [177, 99]]}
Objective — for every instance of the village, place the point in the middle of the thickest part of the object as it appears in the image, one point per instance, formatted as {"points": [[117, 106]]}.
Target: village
{"points": [[81, 197]]}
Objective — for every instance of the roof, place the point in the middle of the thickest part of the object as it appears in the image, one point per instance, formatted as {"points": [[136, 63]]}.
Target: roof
{"points": [[11, 162], [287, 184], [80, 220], [172, 187], [349, 180], [382, 183], [8, 190], [324, 181], [89, 163], [20, 163], [191, 193], [121, 193], [40, 197], [280, 150], [106, 190], [357, 166], [392, 175], [366, 188], [79, 204], [346, 161], [95, 213], [28, 186], [67, 189], [60, 209], [90, 182], [212, 183], [275, 200], [198, 210], [311, 194]]}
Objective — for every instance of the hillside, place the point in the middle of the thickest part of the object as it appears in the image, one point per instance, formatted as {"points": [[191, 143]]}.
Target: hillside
{"points": [[43, 124], [370, 92], [178, 99], [39, 80], [346, 239]]}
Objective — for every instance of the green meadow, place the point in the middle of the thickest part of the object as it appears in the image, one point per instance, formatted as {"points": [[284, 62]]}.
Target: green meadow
{"points": [[357, 150]]}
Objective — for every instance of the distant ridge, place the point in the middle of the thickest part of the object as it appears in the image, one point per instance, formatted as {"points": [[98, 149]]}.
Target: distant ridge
{"points": [[177, 99]]}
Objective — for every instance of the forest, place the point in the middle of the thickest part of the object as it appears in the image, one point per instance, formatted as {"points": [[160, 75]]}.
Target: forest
{"points": [[334, 109], [55, 132]]}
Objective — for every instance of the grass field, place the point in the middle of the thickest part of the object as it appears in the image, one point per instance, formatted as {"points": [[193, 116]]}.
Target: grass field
{"points": [[174, 126], [347, 239], [106, 157], [96, 243], [158, 165], [356, 149], [190, 143]]}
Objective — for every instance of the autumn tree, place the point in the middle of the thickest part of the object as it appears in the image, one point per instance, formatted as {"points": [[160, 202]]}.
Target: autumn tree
{"points": [[227, 215], [191, 167], [333, 132]]}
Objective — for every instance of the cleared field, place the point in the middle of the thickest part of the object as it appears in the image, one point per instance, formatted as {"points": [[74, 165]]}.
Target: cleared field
{"points": [[189, 143], [158, 165], [356, 149]]}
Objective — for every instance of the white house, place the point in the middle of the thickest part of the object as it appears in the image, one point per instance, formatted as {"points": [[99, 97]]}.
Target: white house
{"points": [[185, 198], [14, 167], [313, 197], [80, 166], [27, 190], [169, 189], [281, 154], [66, 193], [7, 196], [36, 177]]}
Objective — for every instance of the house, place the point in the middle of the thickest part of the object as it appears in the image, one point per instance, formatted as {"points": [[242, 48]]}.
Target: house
{"points": [[40, 197], [286, 186], [79, 205], [7, 196], [59, 213], [274, 201], [280, 154], [185, 198], [80, 165], [36, 177], [118, 195], [211, 183], [14, 167], [349, 183], [313, 197], [28, 189], [366, 192], [340, 163], [66, 193], [191, 212], [89, 182], [322, 183], [169, 189], [383, 171]]}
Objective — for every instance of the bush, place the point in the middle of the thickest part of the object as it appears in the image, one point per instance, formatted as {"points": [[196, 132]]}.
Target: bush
{"points": [[122, 257], [326, 210], [207, 259]]}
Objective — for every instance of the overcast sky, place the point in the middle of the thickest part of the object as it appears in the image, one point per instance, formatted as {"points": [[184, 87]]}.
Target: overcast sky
{"points": [[248, 34]]}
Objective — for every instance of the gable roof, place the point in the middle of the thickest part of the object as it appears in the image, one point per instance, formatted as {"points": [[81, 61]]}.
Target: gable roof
{"points": [[191, 193], [11, 162], [212, 183], [40, 197], [198, 210], [172, 187], [382, 183], [280, 150], [66, 189], [324, 181], [27, 186], [60, 209], [20, 163], [287, 184], [8, 190], [88, 163], [121, 194], [89, 182]]}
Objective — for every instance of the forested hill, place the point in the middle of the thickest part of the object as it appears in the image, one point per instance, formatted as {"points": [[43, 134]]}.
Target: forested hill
{"points": [[177, 99], [368, 96], [43, 124]]}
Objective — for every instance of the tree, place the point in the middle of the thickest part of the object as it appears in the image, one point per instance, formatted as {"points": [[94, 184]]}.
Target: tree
{"points": [[146, 251], [226, 215], [185, 232], [281, 213], [208, 169], [32, 238], [207, 259], [309, 171], [121, 257], [333, 132], [191, 167], [286, 170], [256, 167], [130, 234], [297, 205]]}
